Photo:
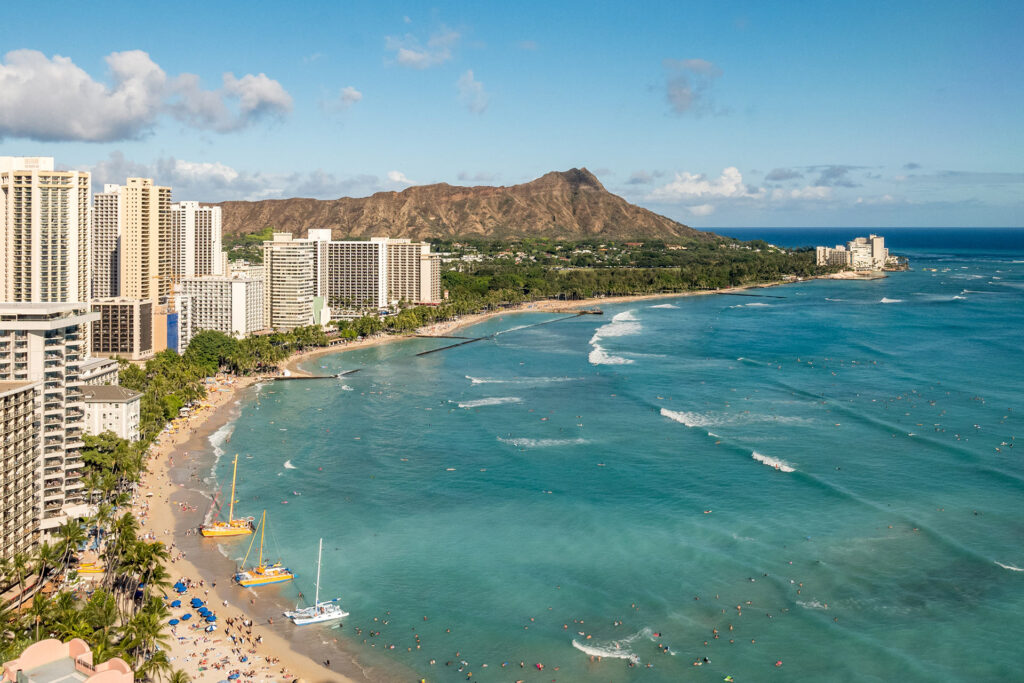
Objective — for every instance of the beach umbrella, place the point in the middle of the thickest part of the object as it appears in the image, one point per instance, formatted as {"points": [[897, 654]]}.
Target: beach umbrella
{"points": [[204, 611], [196, 602], [211, 628], [180, 587], [210, 619], [176, 603], [233, 677], [173, 622], [186, 616]]}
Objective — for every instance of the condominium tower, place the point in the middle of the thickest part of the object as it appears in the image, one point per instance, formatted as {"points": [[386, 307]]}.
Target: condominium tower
{"points": [[44, 231], [290, 281], [230, 305], [197, 232], [148, 244], [106, 242], [19, 430], [46, 343]]}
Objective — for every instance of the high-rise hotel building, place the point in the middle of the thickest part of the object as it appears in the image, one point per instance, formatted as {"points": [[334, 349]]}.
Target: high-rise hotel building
{"points": [[106, 242], [230, 305], [290, 281], [47, 343], [19, 445], [197, 232], [44, 231], [147, 265]]}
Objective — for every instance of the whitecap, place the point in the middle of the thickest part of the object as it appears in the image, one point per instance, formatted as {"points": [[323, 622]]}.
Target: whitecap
{"points": [[613, 650], [687, 418], [780, 465], [665, 306], [887, 300], [521, 442], [598, 356], [1010, 567], [345, 387], [622, 325], [811, 604], [289, 466], [219, 438], [521, 380], [495, 401]]}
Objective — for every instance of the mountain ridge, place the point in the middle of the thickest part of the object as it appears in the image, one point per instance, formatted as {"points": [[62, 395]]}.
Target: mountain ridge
{"points": [[569, 204]]}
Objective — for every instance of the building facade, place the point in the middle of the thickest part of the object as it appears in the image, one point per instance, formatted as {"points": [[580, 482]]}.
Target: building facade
{"points": [[106, 242], [124, 328], [100, 371], [47, 343], [289, 281], [112, 409], [861, 253], [226, 304], [354, 276], [20, 417], [198, 238], [147, 267], [44, 232]]}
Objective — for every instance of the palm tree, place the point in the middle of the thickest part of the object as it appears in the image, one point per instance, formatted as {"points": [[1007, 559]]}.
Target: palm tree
{"points": [[179, 676], [47, 556], [19, 567], [71, 536], [39, 610]]}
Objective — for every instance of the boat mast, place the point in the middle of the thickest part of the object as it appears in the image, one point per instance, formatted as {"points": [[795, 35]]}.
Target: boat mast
{"points": [[231, 507], [319, 553], [263, 529]]}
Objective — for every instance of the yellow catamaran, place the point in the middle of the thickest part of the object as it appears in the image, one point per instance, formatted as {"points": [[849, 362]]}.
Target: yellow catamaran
{"points": [[262, 574], [232, 527]]}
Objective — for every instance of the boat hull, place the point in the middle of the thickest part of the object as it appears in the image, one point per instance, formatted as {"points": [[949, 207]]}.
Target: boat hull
{"points": [[219, 529], [310, 615]]}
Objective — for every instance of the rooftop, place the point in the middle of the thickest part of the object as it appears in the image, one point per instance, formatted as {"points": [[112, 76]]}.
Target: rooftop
{"points": [[108, 393]]}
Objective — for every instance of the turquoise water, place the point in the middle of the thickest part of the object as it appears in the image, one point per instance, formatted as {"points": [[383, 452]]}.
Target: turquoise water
{"points": [[598, 475]]}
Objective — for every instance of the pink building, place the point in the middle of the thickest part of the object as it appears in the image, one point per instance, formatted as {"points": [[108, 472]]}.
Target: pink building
{"points": [[50, 660]]}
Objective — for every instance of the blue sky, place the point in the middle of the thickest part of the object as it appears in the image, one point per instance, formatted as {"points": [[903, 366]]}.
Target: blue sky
{"points": [[713, 113]]}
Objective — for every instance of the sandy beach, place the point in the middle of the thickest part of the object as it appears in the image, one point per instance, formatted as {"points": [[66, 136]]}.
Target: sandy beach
{"points": [[173, 500]]}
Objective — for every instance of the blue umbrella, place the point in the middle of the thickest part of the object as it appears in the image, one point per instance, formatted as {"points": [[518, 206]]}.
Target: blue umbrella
{"points": [[203, 611], [173, 622], [211, 628], [186, 616], [233, 677], [176, 603], [210, 619], [180, 587]]}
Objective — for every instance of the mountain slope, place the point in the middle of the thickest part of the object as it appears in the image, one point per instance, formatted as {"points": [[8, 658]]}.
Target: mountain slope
{"points": [[571, 204]]}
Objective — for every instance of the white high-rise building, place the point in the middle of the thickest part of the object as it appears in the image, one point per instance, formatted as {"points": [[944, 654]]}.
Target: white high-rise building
{"points": [[106, 242], [47, 342], [44, 232], [354, 277], [230, 305], [198, 239], [147, 265], [290, 281]]}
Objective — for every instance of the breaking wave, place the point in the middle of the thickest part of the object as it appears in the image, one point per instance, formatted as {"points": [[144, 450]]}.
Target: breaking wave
{"points": [[622, 325], [665, 306], [751, 305], [521, 380], [694, 419], [496, 401], [219, 438], [780, 465], [615, 649], [289, 466], [887, 300], [541, 443], [1010, 567]]}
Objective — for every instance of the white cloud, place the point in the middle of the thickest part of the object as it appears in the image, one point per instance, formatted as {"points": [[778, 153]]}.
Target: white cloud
{"points": [[699, 186], [811, 192], [350, 96], [413, 54], [471, 93], [212, 181], [52, 99], [399, 177], [702, 209], [688, 83]]}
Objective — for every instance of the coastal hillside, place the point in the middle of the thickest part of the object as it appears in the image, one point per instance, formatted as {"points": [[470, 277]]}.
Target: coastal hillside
{"points": [[571, 204]]}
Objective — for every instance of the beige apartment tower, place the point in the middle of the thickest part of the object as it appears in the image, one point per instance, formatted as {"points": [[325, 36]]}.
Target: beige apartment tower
{"points": [[20, 417], [290, 270], [47, 343], [147, 268], [230, 305], [44, 232], [106, 242], [197, 231]]}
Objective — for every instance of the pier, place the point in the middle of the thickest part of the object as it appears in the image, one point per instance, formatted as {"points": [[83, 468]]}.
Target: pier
{"points": [[470, 340]]}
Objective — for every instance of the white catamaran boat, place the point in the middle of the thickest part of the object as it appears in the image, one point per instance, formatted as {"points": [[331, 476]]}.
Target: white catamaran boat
{"points": [[328, 610]]}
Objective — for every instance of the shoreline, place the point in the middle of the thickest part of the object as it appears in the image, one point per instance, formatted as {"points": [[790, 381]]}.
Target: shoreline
{"points": [[181, 495]]}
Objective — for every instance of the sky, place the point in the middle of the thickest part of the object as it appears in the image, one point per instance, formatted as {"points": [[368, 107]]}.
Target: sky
{"points": [[716, 114]]}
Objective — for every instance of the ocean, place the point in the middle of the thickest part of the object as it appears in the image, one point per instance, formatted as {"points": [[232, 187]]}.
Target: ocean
{"points": [[813, 481]]}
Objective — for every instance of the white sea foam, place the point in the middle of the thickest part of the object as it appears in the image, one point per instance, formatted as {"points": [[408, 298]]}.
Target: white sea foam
{"points": [[780, 465], [622, 325], [219, 438], [887, 300], [811, 604], [345, 387], [495, 401], [614, 650], [694, 419], [830, 299], [665, 306], [686, 418], [1010, 567], [521, 442], [289, 466], [521, 380]]}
